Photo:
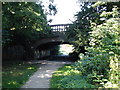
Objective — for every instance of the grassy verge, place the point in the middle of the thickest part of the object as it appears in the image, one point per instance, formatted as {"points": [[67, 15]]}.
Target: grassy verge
{"points": [[68, 77], [15, 75]]}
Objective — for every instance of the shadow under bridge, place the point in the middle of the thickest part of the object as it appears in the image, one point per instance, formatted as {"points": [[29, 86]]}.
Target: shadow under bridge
{"points": [[44, 46]]}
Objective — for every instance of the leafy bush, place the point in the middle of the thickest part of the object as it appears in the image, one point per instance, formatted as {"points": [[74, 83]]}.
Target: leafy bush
{"points": [[100, 65]]}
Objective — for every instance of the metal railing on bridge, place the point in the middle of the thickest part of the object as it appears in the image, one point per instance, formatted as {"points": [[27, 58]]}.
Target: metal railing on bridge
{"points": [[59, 27]]}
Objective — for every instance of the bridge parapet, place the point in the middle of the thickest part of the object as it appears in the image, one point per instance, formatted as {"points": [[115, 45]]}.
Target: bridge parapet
{"points": [[59, 27], [60, 30]]}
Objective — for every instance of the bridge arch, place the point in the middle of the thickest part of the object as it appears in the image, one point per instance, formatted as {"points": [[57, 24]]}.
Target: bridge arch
{"points": [[42, 47], [48, 49]]}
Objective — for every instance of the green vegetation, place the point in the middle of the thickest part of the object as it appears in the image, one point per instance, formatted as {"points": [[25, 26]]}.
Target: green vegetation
{"points": [[31, 18], [79, 31], [100, 61], [95, 36], [15, 75], [69, 77], [24, 23]]}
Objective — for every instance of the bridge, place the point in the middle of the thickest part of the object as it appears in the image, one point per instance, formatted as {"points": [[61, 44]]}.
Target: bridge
{"points": [[59, 27], [44, 46], [59, 35], [40, 48]]}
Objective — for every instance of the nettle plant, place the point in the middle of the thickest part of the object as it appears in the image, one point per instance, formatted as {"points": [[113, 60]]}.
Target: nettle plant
{"points": [[100, 65]]}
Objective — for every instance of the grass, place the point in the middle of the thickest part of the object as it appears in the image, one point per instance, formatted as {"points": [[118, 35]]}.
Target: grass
{"points": [[68, 77], [15, 75]]}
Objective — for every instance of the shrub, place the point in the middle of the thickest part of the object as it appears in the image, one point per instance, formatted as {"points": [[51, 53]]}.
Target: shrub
{"points": [[100, 65]]}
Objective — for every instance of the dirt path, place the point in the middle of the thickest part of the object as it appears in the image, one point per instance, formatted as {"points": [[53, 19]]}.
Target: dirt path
{"points": [[41, 78]]}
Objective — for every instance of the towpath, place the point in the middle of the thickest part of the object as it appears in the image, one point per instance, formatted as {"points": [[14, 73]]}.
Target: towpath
{"points": [[41, 78]]}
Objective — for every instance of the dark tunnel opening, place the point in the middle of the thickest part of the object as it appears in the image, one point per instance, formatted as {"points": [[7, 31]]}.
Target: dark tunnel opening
{"points": [[54, 51]]}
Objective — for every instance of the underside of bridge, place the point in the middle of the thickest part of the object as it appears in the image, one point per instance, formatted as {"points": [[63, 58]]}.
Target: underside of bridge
{"points": [[50, 45], [47, 46], [48, 49]]}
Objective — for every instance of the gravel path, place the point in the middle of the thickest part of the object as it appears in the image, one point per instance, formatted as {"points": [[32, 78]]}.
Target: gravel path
{"points": [[41, 78]]}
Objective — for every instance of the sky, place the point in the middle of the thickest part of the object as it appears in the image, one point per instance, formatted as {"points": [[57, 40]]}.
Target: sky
{"points": [[66, 11]]}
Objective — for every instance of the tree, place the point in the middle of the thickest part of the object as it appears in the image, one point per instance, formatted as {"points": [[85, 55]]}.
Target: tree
{"points": [[26, 20], [23, 24], [90, 12]]}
